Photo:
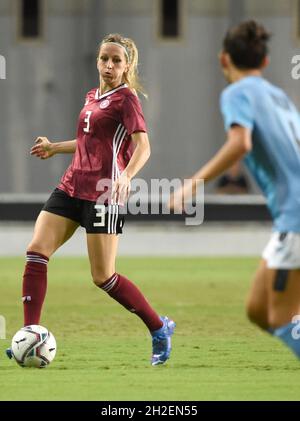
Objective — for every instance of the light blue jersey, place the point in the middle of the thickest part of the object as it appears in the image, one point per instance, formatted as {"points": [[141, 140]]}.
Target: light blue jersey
{"points": [[274, 161]]}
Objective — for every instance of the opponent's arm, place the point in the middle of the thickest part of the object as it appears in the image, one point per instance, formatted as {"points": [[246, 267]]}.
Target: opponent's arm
{"points": [[45, 149], [238, 144]]}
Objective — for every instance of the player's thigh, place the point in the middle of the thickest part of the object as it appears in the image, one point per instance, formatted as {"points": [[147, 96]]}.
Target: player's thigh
{"points": [[284, 296], [102, 250], [257, 300], [50, 232]]}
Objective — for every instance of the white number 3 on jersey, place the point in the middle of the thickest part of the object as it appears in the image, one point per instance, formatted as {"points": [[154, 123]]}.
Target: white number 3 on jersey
{"points": [[88, 114]]}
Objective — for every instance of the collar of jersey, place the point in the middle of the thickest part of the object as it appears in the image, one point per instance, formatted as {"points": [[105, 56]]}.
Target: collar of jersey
{"points": [[124, 85]]}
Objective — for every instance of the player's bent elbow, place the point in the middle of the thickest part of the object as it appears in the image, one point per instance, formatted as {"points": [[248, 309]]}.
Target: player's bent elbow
{"points": [[148, 153], [244, 146], [145, 152], [240, 140], [247, 146]]}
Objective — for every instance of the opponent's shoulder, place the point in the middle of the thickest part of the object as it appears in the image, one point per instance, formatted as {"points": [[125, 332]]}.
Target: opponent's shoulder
{"points": [[235, 89], [242, 91], [278, 92]]}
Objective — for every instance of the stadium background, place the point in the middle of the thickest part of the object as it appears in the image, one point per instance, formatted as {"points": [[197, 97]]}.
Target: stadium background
{"points": [[50, 65], [50, 48]]}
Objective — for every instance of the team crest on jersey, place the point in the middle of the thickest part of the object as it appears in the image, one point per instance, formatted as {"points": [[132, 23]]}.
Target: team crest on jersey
{"points": [[104, 104]]}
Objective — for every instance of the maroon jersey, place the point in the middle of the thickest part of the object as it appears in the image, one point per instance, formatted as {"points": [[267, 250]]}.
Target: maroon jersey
{"points": [[103, 147]]}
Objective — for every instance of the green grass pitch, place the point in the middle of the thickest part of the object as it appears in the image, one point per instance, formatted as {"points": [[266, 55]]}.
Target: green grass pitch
{"points": [[104, 351]]}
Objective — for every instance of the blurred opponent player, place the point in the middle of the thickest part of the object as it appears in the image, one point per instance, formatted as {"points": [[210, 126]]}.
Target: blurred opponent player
{"points": [[263, 126], [112, 145]]}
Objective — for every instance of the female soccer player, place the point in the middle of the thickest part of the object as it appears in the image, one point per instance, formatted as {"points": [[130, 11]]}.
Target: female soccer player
{"points": [[263, 126], [111, 147]]}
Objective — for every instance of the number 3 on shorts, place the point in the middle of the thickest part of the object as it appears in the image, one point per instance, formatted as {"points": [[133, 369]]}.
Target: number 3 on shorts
{"points": [[100, 214]]}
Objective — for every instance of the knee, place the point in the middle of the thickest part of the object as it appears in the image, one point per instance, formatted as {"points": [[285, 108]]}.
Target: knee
{"points": [[273, 320], [278, 318], [254, 312], [39, 248], [100, 277], [251, 313], [251, 310]]}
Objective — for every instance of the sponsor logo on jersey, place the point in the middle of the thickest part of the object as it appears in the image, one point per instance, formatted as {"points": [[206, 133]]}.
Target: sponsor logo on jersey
{"points": [[104, 104]]}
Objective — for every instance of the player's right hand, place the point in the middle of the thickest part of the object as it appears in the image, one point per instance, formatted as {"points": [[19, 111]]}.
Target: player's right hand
{"points": [[43, 148]]}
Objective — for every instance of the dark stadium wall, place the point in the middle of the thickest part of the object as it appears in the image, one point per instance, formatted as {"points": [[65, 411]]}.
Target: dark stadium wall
{"points": [[47, 79]]}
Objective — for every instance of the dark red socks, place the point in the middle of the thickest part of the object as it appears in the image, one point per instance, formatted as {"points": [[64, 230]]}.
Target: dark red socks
{"points": [[34, 287], [127, 294]]}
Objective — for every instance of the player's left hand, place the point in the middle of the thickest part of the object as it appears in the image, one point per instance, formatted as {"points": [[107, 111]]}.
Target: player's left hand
{"points": [[121, 189]]}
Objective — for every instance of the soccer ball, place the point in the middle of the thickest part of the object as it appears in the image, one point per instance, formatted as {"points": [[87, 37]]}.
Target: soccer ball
{"points": [[33, 346]]}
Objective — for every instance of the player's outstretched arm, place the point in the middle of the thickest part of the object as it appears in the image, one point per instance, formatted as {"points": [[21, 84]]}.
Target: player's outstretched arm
{"points": [[45, 149], [238, 144]]}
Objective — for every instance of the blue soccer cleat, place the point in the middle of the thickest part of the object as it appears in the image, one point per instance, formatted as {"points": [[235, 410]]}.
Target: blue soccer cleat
{"points": [[9, 353], [161, 342]]}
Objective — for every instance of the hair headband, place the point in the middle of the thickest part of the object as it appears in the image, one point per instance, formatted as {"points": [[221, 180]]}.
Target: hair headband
{"points": [[119, 45]]}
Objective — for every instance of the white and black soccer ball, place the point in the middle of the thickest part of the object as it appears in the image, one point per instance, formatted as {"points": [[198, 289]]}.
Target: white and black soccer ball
{"points": [[33, 346]]}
